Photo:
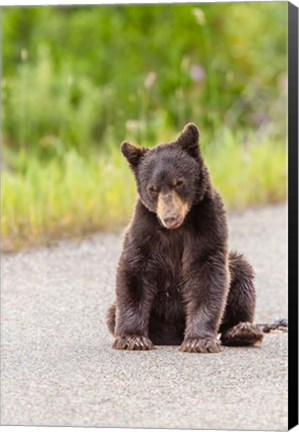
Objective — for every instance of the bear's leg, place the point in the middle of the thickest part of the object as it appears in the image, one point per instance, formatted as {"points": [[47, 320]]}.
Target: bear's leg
{"points": [[133, 342], [110, 319], [205, 292], [135, 291], [237, 328]]}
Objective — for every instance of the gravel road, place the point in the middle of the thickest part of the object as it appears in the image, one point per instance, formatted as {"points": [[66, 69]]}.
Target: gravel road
{"points": [[58, 367]]}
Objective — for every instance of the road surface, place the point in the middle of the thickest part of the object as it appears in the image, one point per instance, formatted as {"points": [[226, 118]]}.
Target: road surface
{"points": [[58, 367]]}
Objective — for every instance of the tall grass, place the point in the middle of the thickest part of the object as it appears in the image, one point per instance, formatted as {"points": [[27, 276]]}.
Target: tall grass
{"points": [[79, 75], [77, 195], [248, 169], [78, 80]]}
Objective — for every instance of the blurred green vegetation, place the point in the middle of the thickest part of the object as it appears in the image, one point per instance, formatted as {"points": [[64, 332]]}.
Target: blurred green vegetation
{"points": [[76, 81]]}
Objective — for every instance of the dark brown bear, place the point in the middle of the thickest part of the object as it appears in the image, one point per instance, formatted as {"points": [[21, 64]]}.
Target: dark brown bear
{"points": [[176, 283]]}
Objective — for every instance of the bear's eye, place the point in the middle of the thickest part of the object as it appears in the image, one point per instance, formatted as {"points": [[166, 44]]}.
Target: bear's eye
{"points": [[153, 190], [178, 183]]}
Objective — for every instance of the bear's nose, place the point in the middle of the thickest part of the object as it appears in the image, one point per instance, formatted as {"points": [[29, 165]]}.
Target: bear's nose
{"points": [[169, 220]]}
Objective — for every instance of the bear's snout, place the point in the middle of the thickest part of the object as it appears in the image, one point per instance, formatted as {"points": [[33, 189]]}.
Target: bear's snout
{"points": [[170, 221], [171, 210]]}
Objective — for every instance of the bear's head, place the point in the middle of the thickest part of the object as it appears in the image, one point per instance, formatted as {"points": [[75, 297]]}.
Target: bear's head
{"points": [[171, 177]]}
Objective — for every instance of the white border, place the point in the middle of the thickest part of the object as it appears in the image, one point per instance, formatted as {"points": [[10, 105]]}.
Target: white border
{"points": [[90, 3]]}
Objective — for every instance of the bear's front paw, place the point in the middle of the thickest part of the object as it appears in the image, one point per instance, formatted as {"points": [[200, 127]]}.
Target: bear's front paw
{"points": [[133, 343], [200, 345]]}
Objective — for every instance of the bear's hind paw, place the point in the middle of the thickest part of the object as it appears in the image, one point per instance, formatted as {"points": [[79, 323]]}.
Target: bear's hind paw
{"points": [[242, 334]]}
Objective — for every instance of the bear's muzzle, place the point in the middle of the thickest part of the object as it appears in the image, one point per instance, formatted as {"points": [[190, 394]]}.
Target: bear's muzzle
{"points": [[171, 209]]}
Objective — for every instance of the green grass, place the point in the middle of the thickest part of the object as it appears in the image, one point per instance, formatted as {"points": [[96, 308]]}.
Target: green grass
{"points": [[58, 95], [65, 107], [248, 170], [75, 195]]}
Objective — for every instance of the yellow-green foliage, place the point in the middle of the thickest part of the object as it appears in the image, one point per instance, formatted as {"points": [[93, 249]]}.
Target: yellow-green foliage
{"points": [[78, 80], [248, 170], [79, 195]]}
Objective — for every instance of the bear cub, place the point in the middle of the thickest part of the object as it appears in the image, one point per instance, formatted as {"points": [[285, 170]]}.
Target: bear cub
{"points": [[177, 283]]}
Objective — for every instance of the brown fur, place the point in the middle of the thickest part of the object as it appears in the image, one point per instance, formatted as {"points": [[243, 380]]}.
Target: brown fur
{"points": [[176, 283]]}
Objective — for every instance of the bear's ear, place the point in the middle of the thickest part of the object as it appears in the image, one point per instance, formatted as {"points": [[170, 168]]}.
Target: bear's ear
{"points": [[132, 154], [188, 140]]}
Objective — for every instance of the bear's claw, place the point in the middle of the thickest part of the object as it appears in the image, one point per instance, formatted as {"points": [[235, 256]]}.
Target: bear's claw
{"points": [[200, 345], [140, 343]]}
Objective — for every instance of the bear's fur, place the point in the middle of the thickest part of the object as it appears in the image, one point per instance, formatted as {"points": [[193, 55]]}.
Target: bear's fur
{"points": [[176, 282]]}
